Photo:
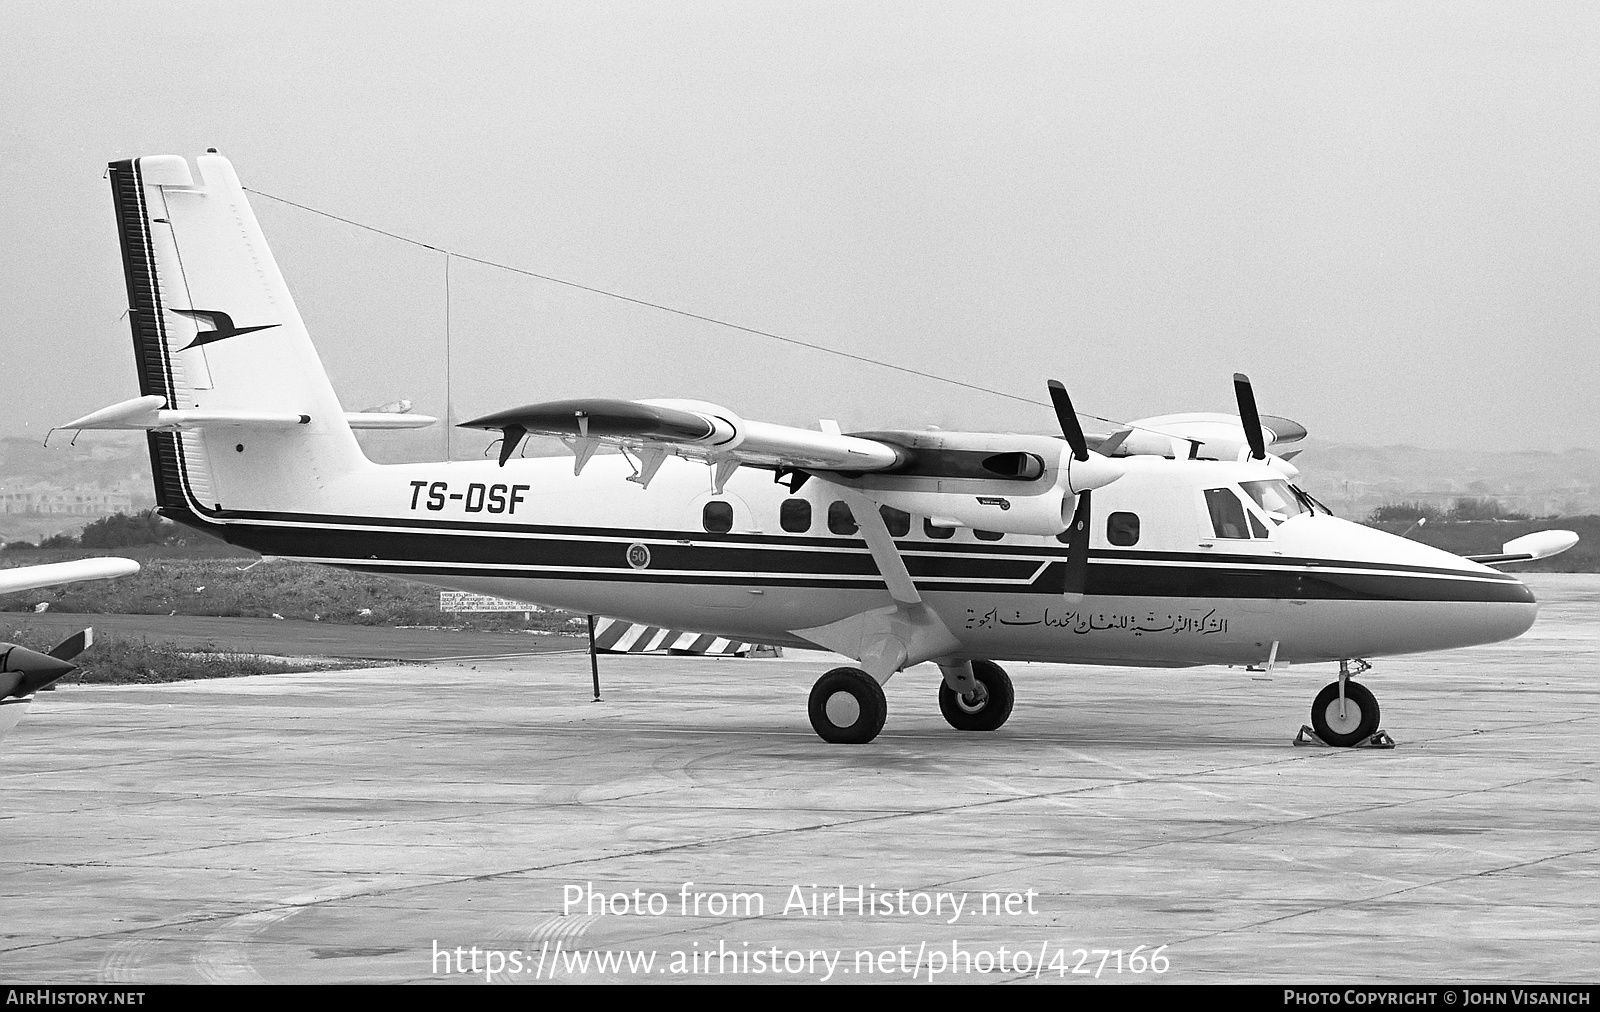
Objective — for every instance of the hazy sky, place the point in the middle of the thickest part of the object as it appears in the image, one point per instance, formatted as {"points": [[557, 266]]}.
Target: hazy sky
{"points": [[1388, 214]]}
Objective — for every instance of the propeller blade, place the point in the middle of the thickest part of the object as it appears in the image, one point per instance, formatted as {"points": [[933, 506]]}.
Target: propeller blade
{"points": [[1249, 416], [1071, 431], [1076, 571], [73, 645]]}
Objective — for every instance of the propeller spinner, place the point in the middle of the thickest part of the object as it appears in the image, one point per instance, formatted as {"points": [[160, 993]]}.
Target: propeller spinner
{"points": [[24, 672]]}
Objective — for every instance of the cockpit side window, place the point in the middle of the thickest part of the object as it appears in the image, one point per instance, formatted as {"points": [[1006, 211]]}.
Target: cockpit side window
{"points": [[1227, 514], [1276, 499], [1257, 528]]}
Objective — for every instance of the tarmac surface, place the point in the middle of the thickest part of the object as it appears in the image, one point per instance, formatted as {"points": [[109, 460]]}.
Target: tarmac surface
{"points": [[354, 825]]}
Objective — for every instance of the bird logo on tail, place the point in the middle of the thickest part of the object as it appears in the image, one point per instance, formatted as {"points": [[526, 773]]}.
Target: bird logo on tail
{"points": [[222, 326]]}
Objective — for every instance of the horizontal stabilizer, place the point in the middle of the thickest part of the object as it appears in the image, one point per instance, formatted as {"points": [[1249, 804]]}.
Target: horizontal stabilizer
{"points": [[151, 413], [387, 420]]}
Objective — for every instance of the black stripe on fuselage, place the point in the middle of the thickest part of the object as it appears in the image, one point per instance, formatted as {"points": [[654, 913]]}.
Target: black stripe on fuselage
{"points": [[692, 558], [1036, 552]]}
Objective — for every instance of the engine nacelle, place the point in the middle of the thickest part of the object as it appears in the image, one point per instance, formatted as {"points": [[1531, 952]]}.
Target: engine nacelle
{"points": [[1044, 515], [1005, 483]]}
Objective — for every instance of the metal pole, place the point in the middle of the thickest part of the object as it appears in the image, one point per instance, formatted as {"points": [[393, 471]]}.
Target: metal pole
{"points": [[594, 659]]}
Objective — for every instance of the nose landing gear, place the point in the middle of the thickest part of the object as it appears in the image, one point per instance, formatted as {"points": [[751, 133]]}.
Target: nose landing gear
{"points": [[1345, 714]]}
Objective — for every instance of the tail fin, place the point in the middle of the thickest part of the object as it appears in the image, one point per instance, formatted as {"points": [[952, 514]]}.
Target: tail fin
{"points": [[215, 329]]}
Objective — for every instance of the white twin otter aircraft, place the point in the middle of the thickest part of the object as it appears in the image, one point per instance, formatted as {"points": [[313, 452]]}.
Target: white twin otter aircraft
{"points": [[892, 548]]}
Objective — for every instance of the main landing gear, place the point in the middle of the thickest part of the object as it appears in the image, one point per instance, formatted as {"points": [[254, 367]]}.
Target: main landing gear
{"points": [[1346, 714], [986, 706], [847, 705]]}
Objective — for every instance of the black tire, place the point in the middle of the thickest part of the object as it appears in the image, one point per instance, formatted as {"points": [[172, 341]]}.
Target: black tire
{"points": [[988, 715], [1359, 722], [847, 707]]}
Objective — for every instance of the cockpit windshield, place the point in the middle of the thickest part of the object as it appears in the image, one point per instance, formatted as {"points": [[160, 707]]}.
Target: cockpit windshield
{"points": [[1275, 498]]}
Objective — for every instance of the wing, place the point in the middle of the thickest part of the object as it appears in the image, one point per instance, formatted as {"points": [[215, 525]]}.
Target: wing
{"points": [[1004, 482], [1529, 548], [696, 430], [32, 577]]}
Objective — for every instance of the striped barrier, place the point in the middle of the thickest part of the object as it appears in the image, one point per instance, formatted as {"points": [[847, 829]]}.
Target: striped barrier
{"points": [[614, 636]]}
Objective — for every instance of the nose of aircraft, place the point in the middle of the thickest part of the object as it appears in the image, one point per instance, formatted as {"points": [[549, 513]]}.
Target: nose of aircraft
{"points": [[1479, 604], [1504, 620], [1433, 600]]}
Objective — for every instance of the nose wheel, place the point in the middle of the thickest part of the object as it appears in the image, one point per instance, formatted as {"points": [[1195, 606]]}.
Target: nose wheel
{"points": [[986, 707], [1345, 721], [847, 707]]}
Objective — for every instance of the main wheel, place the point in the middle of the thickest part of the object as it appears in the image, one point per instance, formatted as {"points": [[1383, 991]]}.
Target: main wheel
{"points": [[984, 710], [847, 707], [1358, 722]]}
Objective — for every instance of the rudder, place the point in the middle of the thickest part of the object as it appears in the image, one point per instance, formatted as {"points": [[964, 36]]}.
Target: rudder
{"points": [[215, 329]]}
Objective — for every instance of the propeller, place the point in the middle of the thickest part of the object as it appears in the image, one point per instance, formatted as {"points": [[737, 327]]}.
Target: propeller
{"points": [[1075, 575], [24, 672], [1085, 472], [1249, 417], [1067, 418]]}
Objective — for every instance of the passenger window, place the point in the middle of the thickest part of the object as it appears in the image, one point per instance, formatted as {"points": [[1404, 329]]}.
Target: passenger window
{"points": [[987, 535], [937, 533], [794, 516], [1122, 529], [898, 521], [840, 519], [717, 517], [1227, 514]]}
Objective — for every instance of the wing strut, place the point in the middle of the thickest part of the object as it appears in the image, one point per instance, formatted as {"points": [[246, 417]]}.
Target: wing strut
{"points": [[885, 640]]}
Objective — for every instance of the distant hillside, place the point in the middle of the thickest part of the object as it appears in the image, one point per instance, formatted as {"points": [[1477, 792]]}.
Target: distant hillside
{"points": [[1355, 480]]}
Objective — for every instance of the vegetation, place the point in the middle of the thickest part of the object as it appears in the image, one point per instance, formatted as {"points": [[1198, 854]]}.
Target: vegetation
{"points": [[1465, 509], [122, 530]]}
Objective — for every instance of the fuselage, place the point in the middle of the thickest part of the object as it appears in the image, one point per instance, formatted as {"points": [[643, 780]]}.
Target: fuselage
{"points": [[1191, 562]]}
